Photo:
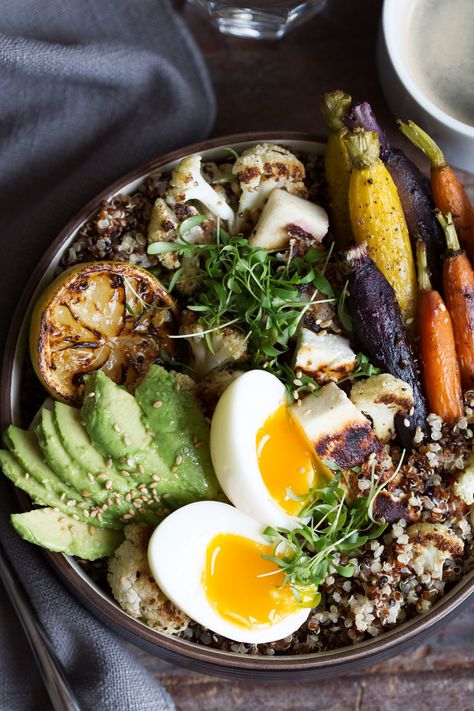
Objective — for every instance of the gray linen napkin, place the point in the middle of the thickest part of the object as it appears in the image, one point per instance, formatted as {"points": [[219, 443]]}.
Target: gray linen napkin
{"points": [[89, 89]]}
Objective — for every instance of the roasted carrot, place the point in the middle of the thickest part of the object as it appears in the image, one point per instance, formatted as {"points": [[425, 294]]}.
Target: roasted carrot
{"points": [[334, 106], [448, 191], [377, 218], [458, 287], [439, 362]]}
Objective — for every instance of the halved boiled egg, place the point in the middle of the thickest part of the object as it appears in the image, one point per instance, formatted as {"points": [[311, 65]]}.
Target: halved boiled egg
{"points": [[207, 557], [262, 458]]}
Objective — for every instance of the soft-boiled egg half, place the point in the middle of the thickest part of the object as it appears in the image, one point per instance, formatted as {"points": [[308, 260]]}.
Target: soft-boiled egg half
{"points": [[207, 557], [262, 458]]}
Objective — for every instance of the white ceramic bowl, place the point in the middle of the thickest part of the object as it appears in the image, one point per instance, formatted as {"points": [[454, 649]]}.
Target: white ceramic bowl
{"points": [[404, 96]]}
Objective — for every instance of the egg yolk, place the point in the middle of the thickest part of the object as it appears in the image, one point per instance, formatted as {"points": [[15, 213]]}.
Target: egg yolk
{"points": [[242, 586], [286, 461]]}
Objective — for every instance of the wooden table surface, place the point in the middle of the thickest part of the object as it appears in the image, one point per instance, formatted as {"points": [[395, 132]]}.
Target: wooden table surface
{"points": [[272, 86]]}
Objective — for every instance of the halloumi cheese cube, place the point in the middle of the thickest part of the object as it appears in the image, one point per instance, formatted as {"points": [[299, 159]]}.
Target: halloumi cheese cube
{"points": [[283, 211], [382, 397], [324, 356], [337, 430]]}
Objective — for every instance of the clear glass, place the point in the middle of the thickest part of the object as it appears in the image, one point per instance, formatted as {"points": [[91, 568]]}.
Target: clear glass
{"points": [[259, 19]]}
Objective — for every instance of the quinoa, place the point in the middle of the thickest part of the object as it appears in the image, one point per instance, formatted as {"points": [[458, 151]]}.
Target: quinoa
{"points": [[391, 582]]}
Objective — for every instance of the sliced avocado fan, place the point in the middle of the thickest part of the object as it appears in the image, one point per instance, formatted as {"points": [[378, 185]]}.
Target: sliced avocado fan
{"points": [[119, 459]]}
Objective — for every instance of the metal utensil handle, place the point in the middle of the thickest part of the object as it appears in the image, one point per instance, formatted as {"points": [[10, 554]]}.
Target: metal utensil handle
{"points": [[51, 669]]}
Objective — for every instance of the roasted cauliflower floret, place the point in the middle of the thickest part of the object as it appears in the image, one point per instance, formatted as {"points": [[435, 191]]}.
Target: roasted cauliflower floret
{"points": [[261, 169], [382, 397], [211, 387], [464, 484], [188, 183], [432, 545], [227, 344], [164, 226], [134, 587]]}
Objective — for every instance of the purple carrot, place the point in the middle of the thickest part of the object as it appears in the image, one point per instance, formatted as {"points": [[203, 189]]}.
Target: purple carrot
{"points": [[379, 332], [413, 189]]}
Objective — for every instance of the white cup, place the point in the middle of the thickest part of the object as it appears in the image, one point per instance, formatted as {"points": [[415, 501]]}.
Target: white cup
{"points": [[456, 139]]}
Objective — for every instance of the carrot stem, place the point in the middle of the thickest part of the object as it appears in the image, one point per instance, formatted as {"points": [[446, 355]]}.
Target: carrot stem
{"points": [[424, 142], [424, 281], [449, 230], [363, 148]]}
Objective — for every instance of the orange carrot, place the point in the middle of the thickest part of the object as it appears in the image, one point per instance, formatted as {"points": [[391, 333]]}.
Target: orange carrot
{"points": [[441, 376], [458, 287], [448, 191]]}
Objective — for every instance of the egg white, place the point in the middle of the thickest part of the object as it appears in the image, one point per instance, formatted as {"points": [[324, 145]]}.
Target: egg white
{"points": [[241, 411], [177, 559]]}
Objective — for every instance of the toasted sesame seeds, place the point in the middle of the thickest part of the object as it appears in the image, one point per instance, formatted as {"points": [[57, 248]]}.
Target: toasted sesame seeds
{"points": [[91, 530], [130, 463], [101, 476], [126, 517], [131, 512], [99, 516], [179, 460], [91, 394], [141, 469], [26, 475], [157, 404], [85, 494], [75, 517], [127, 441], [73, 529], [117, 427], [297, 382], [86, 513], [71, 502], [174, 469], [108, 485], [109, 462], [90, 476], [128, 497], [155, 477]]}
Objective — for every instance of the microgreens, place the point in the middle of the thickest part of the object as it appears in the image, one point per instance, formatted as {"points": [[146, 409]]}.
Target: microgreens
{"points": [[145, 307], [364, 369], [256, 289], [307, 553]]}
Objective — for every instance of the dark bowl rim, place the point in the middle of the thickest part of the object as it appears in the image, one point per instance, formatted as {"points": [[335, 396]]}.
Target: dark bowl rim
{"points": [[178, 650]]}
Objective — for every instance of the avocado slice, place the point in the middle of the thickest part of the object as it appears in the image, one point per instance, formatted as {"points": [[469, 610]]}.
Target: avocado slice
{"points": [[38, 492], [61, 463], [78, 445], [57, 532], [181, 433], [114, 422], [116, 425], [24, 447]]}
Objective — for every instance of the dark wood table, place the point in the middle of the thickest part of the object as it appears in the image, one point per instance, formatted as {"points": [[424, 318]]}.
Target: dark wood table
{"points": [[273, 86]]}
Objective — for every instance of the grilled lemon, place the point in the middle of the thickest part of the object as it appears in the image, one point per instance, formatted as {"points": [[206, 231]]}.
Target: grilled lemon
{"points": [[111, 316]]}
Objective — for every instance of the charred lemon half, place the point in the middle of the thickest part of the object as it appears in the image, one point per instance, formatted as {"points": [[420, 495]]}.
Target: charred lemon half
{"points": [[111, 316]]}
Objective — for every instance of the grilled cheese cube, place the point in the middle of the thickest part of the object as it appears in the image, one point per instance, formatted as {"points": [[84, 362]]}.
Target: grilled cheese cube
{"points": [[337, 430], [284, 214], [324, 356], [382, 397]]}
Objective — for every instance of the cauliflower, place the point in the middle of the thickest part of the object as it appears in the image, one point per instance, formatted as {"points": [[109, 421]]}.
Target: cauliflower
{"points": [[211, 387], [188, 183], [163, 227], [261, 169], [464, 484], [432, 544], [227, 344], [135, 589], [382, 397]]}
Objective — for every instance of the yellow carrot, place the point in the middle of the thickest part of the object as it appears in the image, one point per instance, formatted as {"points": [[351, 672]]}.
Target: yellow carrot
{"points": [[377, 218], [334, 106]]}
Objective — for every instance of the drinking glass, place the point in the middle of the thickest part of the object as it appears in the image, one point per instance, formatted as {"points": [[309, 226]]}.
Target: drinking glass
{"points": [[259, 19]]}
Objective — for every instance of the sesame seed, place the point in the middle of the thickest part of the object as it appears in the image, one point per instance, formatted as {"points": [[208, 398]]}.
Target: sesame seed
{"points": [[128, 497], [108, 485], [91, 395], [130, 463], [131, 512], [297, 382], [157, 404], [141, 470], [109, 462], [122, 580], [71, 502], [90, 476], [174, 469], [61, 519], [76, 517], [179, 459], [296, 395], [91, 530], [406, 422], [86, 513], [102, 476], [81, 504], [27, 476], [85, 494], [178, 386], [56, 510], [73, 529], [117, 427], [155, 477], [126, 517], [127, 441], [99, 516]]}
